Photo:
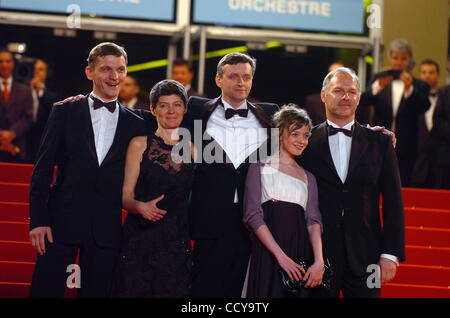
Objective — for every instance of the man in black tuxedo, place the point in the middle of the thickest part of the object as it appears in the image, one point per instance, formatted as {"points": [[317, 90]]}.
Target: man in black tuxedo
{"points": [[397, 103], [81, 211], [43, 100], [15, 112], [236, 132], [353, 165]]}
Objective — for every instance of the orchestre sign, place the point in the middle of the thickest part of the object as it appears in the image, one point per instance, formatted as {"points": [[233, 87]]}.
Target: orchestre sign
{"points": [[326, 15]]}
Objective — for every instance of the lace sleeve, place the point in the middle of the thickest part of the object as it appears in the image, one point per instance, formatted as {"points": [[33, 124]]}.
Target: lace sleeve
{"points": [[312, 212], [253, 213]]}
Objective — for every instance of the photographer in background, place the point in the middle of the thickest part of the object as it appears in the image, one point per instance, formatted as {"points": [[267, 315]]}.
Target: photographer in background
{"points": [[398, 100]]}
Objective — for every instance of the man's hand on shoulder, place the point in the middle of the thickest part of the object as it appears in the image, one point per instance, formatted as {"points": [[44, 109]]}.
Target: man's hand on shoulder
{"points": [[69, 99], [385, 131]]}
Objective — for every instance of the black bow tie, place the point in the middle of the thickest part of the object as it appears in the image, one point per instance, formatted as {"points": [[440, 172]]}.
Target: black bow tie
{"points": [[230, 112], [111, 106], [333, 131]]}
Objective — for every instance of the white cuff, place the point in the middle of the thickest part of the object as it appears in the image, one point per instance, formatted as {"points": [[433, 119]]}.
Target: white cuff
{"points": [[376, 88], [390, 257]]}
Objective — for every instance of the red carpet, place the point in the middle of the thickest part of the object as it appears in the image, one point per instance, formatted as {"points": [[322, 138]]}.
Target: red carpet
{"points": [[426, 273]]}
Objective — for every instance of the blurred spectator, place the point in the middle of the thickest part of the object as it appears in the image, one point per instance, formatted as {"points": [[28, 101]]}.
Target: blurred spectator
{"points": [[314, 105], [183, 73], [16, 106], [441, 130], [129, 94], [43, 100], [398, 99], [428, 72]]}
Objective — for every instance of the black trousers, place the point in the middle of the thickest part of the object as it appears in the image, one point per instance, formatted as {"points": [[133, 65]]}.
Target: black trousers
{"points": [[52, 271], [220, 265], [344, 280]]}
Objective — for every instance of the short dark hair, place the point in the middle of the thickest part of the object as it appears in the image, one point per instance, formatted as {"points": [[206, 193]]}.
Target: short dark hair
{"points": [[5, 50], [291, 117], [134, 78], [104, 49], [167, 87], [235, 58], [431, 62], [183, 62]]}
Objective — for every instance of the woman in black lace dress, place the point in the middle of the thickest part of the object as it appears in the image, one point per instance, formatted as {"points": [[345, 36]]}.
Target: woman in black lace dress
{"points": [[156, 255]]}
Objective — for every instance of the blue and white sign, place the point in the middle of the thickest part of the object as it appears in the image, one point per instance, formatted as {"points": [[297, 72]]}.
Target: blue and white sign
{"points": [[131, 9], [320, 15]]}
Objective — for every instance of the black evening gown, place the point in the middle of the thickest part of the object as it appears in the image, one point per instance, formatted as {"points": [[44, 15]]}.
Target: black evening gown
{"points": [[287, 224], [156, 257]]}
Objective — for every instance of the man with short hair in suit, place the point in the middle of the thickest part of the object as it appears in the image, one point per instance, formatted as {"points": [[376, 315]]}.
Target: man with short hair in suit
{"points": [[129, 94], [235, 131], [429, 73], [43, 100], [353, 166], [82, 210], [182, 72], [15, 112], [441, 129], [397, 103], [425, 173]]}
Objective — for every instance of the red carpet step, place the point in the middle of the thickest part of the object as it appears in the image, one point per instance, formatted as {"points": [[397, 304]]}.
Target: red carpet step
{"points": [[14, 211], [426, 255], [14, 290], [423, 275], [13, 271], [17, 251], [14, 231], [22, 290], [426, 236], [15, 173], [14, 192], [427, 217], [424, 198]]}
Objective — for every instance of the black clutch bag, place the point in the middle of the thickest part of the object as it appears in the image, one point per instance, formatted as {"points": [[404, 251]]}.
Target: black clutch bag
{"points": [[293, 286]]}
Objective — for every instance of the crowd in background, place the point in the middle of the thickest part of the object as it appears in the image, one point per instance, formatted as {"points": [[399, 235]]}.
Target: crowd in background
{"points": [[416, 109]]}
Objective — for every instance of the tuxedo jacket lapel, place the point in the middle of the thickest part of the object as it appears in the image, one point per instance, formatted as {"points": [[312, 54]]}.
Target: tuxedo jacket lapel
{"points": [[208, 109], [359, 146], [84, 117], [324, 149], [260, 115]]}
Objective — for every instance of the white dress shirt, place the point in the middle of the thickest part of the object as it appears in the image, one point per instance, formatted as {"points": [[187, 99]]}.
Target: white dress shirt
{"points": [[36, 96], [238, 136], [131, 103], [429, 113], [340, 148], [9, 81], [104, 124]]}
